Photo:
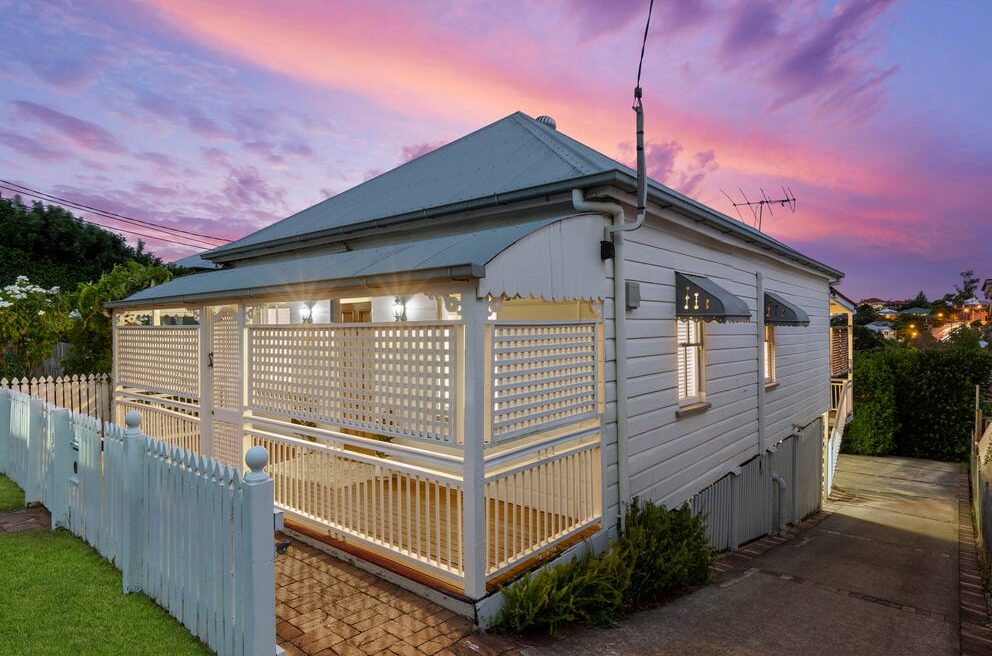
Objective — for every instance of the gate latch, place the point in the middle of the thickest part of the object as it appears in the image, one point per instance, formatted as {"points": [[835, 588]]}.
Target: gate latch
{"points": [[210, 359]]}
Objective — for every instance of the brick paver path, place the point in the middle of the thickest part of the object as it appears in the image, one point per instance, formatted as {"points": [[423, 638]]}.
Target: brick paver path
{"points": [[327, 607], [25, 519]]}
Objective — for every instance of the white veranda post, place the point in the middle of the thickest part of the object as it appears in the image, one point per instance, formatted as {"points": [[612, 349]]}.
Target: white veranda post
{"points": [[474, 314]]}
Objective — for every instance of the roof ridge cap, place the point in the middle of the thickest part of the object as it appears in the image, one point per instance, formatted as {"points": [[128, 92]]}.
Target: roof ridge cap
{"points": [[558, 147]]}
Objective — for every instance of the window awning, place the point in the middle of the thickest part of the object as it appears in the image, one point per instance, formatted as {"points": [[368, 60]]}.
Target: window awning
{"points": [[699, 297], [780, 312]]}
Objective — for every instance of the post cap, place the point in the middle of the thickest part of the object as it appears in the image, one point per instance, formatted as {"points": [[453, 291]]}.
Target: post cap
{"points": [[256, 458], [132, 419]]}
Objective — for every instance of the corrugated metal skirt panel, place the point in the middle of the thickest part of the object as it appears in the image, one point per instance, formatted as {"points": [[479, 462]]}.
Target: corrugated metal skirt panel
{"points": [[781, 461], [716, 504], [753, 517], [809, 469]]}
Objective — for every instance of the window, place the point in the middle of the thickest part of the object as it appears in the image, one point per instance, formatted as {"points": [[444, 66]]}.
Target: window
{"points": [[690, 359], [769, 354]]}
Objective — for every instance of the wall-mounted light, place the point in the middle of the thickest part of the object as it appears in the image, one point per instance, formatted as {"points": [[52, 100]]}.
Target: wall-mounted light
{"points": [[399, 309], [307, 311]]}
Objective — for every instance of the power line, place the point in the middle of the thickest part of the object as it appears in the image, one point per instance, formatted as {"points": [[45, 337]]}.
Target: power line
{"points": [[117, 228], [644, 43], [115, 215]]}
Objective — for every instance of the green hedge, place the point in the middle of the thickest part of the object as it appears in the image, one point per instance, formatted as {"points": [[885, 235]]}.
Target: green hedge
{"points": [[658, 554], [917, 403]]}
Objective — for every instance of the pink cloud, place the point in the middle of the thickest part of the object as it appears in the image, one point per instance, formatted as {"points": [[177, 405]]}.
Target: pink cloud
{"points": [[80, 132], [413, 151]]}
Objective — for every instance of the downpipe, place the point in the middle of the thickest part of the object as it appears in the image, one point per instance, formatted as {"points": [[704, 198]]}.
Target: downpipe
{"points": [[782, 520]]}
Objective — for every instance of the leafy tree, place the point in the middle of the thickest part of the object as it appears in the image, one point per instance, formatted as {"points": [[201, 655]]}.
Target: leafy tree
{"points": [[50, 246], [865, 314], [31, 320], [90, 332], [964, 291], [920, 300], [866, 339]]}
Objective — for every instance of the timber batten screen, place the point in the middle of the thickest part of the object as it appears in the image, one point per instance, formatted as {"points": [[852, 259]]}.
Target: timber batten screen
{"points": [[164, 359], [394, 379], [839, 357]]}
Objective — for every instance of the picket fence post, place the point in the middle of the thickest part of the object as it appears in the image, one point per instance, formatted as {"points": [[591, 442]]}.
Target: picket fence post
{"points": [[60, 468], [36, 442], [132, 543], [4, 428], [260, 629]]}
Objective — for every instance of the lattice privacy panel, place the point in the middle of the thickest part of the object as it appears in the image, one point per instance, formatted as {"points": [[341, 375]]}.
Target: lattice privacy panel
{"points": [[394, 379], [225, 343], [229, 444], [543, 375], [839, 363], [163, 359]]}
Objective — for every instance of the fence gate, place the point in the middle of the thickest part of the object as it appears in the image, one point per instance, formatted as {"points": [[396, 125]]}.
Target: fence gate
{"points": [[226, 362]]}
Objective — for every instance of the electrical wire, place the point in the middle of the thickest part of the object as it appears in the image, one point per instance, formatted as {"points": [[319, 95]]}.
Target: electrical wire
{"points": [[179, 232], [640, 63], [117, 228]]}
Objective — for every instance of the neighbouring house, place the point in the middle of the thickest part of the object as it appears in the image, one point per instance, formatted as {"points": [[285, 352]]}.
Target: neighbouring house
{"points": [[884, 328], [915, 313], [975, 309], [888, 313], [460, 369], [875, 303], [987, 288], [196, 263]]}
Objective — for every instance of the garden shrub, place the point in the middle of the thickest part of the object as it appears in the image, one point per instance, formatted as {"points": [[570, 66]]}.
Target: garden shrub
{"points": [[917, 402], [872, 430], [659, 553]]}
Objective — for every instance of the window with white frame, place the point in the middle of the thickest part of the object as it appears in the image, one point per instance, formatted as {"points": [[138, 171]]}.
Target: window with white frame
{"points": [[690, 359], [769, 354]]}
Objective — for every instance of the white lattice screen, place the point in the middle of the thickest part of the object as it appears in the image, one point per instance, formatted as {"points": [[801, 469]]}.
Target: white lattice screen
{"points": [[162, 359], [839, 359], [544, 374], [225, 344], [393, 379], [229, 443]]}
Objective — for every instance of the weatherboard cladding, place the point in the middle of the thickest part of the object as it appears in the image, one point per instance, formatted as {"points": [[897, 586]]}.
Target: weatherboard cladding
{"points": [[511, 159], [465, 249]]}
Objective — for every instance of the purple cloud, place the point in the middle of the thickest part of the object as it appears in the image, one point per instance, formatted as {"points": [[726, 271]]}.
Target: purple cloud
{"points": [[754, 25], [79, 131], [31, 147], [829, 58], [660, 159], [245, 186], [414, 151], [602, 18]]}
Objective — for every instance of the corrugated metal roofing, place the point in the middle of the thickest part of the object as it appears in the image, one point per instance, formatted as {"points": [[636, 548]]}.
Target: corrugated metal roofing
{"points": [[196, 262], [469, 249], [513, 153], [510, 157]]}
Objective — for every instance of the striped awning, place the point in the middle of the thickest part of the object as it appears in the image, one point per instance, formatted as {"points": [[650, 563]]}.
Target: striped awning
{"points": [[780, 312], [699, 297]]}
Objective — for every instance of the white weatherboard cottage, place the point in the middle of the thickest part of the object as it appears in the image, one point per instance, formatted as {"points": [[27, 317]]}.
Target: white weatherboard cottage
{"points": [[453, 385]]}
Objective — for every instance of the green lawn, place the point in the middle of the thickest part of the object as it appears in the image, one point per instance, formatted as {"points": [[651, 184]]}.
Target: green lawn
{"points": [[59, 597], [11, 496]]}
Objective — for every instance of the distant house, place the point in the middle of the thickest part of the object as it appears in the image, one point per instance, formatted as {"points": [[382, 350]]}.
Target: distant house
{"points": [[197, 263], [975, 309], [876, 303], [987, 288], [915, 312], [469, 363], [884, 328], [888, 313]]}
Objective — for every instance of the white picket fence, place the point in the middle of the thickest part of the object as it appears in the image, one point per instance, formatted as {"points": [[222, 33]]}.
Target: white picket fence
{"points": [[194, 535], [88, 394]]}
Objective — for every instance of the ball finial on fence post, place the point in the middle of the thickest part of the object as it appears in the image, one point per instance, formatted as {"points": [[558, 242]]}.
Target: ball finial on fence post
{"points": [[256, 458], [132, 419]]}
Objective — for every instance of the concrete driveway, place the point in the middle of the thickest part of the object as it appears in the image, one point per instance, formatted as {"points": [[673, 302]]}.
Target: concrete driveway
{"points": [[876, 573]]}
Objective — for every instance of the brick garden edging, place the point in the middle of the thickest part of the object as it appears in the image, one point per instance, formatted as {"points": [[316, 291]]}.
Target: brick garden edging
{"points": [[975, 631]]}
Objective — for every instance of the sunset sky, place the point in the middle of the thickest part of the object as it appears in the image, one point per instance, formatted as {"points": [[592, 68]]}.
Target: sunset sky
{"points": [[221, 116]]}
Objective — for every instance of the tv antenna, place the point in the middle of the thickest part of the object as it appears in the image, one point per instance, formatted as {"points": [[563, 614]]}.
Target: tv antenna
{"points": [[757, 207]]}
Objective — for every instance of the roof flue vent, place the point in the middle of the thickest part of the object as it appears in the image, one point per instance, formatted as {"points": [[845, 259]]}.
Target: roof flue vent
{"points": [[547, 120]]}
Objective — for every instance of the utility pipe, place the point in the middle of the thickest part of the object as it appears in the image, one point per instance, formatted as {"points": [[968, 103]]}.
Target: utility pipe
{"points": [[780, 482], [620, 338]]}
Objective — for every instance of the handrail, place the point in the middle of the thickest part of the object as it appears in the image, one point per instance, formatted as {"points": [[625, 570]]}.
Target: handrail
{"points": [[502, 457], [426, 455], [837, 434], [156, 400], [406, 468]]}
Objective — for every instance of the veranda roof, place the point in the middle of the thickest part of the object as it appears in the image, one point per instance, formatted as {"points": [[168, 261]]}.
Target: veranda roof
{"points": [[460, 256]]}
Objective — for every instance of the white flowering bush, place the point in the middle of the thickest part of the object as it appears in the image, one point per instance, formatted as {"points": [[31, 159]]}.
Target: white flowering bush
{"points": [[32, 319]]}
